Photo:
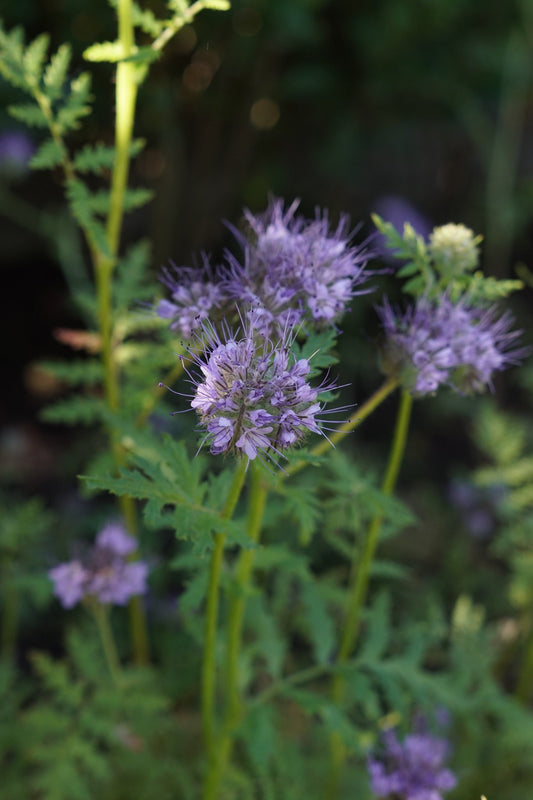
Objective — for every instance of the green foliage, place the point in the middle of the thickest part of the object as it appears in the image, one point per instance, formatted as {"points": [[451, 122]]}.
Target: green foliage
{"points": [[176, 495], [75, 410], [57, 102], [428, 276]]}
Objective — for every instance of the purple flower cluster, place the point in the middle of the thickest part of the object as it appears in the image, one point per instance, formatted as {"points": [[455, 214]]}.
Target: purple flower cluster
{"points": [[296, 271], [434, 343], [197, 294], [413, 769], [252, 396], [105, 574]]}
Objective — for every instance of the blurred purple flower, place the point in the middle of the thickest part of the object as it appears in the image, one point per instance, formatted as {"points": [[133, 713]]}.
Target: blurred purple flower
{"points": [[411, 770], [196, 295], [436, 342], [16, 149], [104, 574]]}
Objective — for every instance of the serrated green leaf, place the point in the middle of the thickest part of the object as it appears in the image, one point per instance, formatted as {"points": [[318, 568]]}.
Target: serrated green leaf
{"points": [[75, 411], [56, 72], [79, 198], [105, 51], [78, 372], [30, 114], [48, 156], [96, 157], [146, 20], [77, 104], [34, 57], [319, 624]]}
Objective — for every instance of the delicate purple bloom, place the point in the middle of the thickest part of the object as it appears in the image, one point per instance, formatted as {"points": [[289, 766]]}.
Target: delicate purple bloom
{"points": [[116, 539], [196, 295], [252, 395], [417, 347], [297, 270], [105, 574], [69, 581], [437, 342], [16, 149], [412, 770]]}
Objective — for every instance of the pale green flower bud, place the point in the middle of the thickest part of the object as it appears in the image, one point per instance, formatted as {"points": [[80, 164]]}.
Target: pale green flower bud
{"points": [[454, 249]]}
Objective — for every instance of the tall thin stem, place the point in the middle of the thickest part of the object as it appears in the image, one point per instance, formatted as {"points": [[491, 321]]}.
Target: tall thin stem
{"points": [[211, 620], [243, 571], [101, 615], [360, 576]]}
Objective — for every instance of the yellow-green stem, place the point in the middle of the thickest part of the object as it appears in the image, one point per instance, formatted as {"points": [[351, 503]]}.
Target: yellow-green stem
{"points": [[243, 571], [355, 420], [101, 615], [211, 619], [360, 575]]}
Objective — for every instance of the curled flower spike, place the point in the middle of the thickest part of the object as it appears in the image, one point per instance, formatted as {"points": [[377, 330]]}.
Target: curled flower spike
{"points": [[411, 770], [298, 270], [438, 342], [252, 395], [105, 574], [196, 295]]}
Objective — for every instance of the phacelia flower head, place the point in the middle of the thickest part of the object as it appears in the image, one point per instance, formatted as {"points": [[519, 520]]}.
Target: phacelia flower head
{"points": [[411, 770], [196, 294], [454, 249], [437, 342], [105, 574], [417, 349], [298, 266], [252, 395]]}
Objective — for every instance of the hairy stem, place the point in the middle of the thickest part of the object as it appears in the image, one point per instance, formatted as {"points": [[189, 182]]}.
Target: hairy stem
{"points": [[211, 619], [243, 571], [360, 575]]}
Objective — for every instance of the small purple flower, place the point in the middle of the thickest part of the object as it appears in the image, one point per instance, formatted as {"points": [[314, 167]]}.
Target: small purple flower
{"points": [[412, 770], [105, 574], [196, 295], [116, 539], [297, 270], [251, 395], [16, 149], [70, 580], [437, 342]]}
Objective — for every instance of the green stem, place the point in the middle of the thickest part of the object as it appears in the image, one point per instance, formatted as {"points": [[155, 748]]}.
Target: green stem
{"points": [[256, 508], [524, 685], [209, 661], [101, 614], [360, 576], [10, 613], [243, 571], [355, 420]]}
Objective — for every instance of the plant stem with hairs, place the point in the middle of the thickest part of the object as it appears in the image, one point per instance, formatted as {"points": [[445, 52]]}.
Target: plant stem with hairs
{"points": [[358, 587]]}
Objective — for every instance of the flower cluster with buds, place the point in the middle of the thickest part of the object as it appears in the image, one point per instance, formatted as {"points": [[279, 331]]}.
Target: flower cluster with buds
{"points": [[105, 574], [413, 769], [441, 342]]}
